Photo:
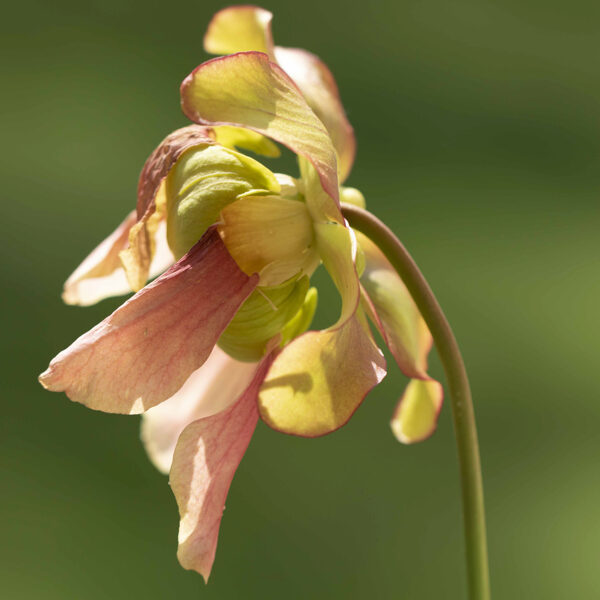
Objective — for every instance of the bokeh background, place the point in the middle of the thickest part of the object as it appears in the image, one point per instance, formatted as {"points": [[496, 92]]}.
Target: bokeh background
{"points": [[479, 143]]}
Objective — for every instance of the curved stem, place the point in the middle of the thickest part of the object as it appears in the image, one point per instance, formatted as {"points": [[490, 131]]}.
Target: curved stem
{"points": [[458, 385]]}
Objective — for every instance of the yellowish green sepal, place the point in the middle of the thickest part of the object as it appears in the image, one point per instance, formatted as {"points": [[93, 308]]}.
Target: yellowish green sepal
{"points": [[301, 321], [262, 317], [204, 180], [271, 236]]}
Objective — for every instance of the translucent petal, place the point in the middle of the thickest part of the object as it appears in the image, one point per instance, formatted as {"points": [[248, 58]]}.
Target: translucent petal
{"points": [[206, 457], [392, 309], [144, 352], [320, 378], [248, 90], [217, 384]]}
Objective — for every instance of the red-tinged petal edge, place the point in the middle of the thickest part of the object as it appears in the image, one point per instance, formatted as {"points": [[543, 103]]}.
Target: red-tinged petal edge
{"points": [[247, 90], [319, 379], [137, 257], [212, 388], [392, 310], [145, 351], [206, 457], [161, 160], [246, 28]]}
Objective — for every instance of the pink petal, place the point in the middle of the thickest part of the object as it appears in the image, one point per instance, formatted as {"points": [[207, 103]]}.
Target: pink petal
{"points": [[101, 274], [143, 353], [206, 458], [217, 384]]}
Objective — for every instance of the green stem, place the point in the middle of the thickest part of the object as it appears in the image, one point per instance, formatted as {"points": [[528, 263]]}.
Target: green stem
{"points": [[460, 393]]}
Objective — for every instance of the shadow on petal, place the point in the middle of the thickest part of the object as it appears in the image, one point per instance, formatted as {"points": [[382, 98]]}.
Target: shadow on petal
{"points": [[206, 457]]}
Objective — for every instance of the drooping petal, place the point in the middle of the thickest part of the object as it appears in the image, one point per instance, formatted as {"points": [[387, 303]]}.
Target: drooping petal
{"points": [[248, 90], [137, 257], [213, 387], [101, 274], [239, 29], [206, 458], [416, 415], [319, 379], [144, 352], [320, 90], [394, 312], [247, 28]]}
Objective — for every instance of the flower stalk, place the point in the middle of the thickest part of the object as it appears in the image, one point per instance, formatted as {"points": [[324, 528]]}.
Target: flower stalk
{"points": [[460, 393]]}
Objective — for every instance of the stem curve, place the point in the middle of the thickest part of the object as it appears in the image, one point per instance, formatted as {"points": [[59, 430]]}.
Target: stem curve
{"points": [[460, 393]]}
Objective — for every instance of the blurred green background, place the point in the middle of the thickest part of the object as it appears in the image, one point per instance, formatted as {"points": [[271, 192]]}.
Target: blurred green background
{"points": [[479, 143]]}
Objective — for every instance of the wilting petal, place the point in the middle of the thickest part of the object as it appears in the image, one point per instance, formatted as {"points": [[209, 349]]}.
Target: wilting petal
{"points": [[145, 351], [206, 458], [137, 257], [392, 309], [239, 29], [101, 274], [165, 155], [318, 86], [248, 90], [417, 412], [213, 387], [319, 379]]}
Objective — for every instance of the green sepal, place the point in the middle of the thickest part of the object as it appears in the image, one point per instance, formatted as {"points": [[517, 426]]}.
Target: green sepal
{"points": [[204, 180], [263, 316], [301, 321]]}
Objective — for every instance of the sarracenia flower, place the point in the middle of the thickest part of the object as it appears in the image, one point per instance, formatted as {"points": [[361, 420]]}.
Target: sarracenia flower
{"points": [[220, 338]]}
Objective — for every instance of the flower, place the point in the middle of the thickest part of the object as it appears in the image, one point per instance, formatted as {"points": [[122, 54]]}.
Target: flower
{"points": [[220, 338]]}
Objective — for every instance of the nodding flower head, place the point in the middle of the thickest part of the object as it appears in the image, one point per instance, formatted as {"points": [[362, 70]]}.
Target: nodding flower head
{"points": [[221, 335]]}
